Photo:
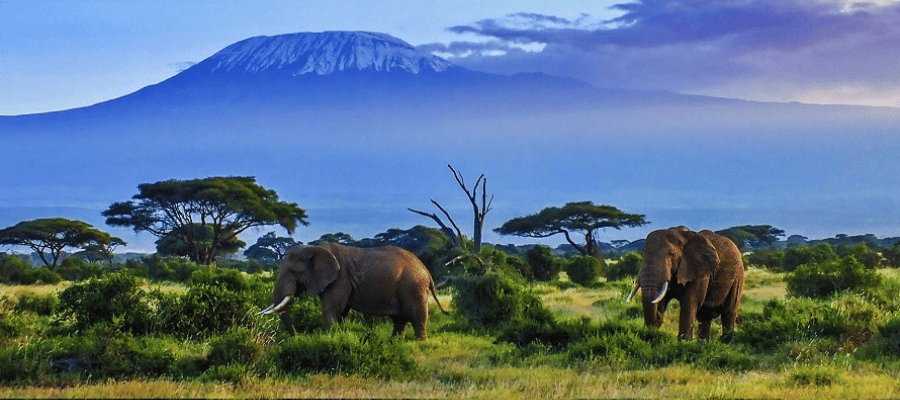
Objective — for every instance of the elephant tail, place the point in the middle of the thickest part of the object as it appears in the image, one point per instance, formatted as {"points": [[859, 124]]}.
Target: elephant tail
{"points": [[434, 294]]}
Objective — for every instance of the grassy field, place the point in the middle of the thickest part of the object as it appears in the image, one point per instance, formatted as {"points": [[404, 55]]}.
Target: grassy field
{"points": [[455, 364]]}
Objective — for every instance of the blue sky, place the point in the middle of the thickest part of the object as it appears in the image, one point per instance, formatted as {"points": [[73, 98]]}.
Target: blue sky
{"points": [[62, 54]]}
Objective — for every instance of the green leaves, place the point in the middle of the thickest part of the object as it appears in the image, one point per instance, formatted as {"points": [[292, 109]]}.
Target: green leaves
{"points": [[49, 236], [206, 214]]}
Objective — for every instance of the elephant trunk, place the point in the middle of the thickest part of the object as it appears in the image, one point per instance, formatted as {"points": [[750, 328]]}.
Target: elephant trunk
{"points": [[651, 295]]}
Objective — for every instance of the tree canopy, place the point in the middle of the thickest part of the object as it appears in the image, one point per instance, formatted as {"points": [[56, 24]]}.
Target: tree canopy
{"points": [[226, 205], [753, 235], [582, 217], [48, 237], [270, 247]]}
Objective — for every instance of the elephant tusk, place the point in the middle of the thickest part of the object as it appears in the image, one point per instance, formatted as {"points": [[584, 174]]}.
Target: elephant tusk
{"points": [[633, 292], [276, 308], [662, 293]]}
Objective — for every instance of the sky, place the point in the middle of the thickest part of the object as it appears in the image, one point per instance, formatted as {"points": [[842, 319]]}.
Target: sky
{"points": [[57, 55]]}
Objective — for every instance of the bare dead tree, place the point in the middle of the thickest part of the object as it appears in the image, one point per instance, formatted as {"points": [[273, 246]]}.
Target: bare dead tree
{"points": [[479, 210], [453, 235]]}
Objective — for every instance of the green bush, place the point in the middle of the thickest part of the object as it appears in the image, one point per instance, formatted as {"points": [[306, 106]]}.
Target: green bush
{"points": [[40, 304], [805, 255], [583, 270], [157, 268], [16, 271], [116, 295], [496, 298], [202, 311], [544, 265], [767, 258], [75, 269], [845, 321], [862, 253], [627, 267], [342, 352], [823, 280], [238, 345]]}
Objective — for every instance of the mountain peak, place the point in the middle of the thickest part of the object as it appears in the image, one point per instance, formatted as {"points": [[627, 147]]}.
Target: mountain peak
{"points": [[323, 53]]}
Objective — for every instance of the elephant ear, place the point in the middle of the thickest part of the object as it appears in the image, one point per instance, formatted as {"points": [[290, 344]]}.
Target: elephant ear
{"points": [[699, 259], [323, 268]]}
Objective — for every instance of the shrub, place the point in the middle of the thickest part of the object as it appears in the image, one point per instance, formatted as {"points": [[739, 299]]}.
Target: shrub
{"points": [[862, 253], [823, 280], [238, 345], [41, 304], [544, 265], [75, 269], [202, 311], [341, 352], [627, 267], [583, 270], [116, 295], [174, 269], [15, 270], [767, 258], [495, 298], [805, 255]]}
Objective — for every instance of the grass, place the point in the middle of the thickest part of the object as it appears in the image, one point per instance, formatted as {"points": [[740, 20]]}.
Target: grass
{"points": [[456, 364]]}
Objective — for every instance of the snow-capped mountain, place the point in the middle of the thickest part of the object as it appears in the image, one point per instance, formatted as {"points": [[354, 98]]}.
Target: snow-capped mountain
{"points": [[323, 54]]}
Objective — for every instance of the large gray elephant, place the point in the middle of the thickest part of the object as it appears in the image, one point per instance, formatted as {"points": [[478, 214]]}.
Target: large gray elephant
{"points": [[385, 281], [703, 271]]}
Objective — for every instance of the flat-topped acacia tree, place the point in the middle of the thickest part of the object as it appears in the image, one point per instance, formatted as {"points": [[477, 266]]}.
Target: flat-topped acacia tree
{"points": [[221, 207], [48, 237], [582, 217]]}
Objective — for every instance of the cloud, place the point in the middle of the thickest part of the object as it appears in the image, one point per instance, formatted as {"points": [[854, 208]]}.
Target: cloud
{"points": [[766, 49]]}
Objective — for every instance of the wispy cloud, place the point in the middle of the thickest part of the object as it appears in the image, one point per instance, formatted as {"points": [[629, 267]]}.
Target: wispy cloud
{"points": [[767, 49]]}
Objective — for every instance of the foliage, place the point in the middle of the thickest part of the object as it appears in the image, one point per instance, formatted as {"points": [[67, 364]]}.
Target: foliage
{"points": [[40, 304], [237, 345], [627, 267], [270, 247], [76, 269], [229, 205], [495, 298], [584, 217], [544, 265], [344, 352], [862, 253], [215, 301], [101, 300], [583, 270], [823, 280], [805, 255], [184, 241], [156, 267], [14, 270], [752, 235], [49, 236], [766, 257]]}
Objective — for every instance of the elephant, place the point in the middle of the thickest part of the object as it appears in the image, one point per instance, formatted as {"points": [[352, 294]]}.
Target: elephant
{"points": [[385, 280], [704, 271]]}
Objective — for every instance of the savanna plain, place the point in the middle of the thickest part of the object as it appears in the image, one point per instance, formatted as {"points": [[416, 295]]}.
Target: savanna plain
{"points": [[828, 327]]}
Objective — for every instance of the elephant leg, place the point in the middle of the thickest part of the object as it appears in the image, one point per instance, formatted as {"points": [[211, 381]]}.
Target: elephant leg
{"points": [[690, 302], [400, 323], [704, 328], [731, 309]]}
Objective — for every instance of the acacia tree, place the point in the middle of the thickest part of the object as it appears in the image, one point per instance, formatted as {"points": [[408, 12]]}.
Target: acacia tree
{"points": [[578, 217], [270, 247], [218, 207], [753, 235], [48, 237]]}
